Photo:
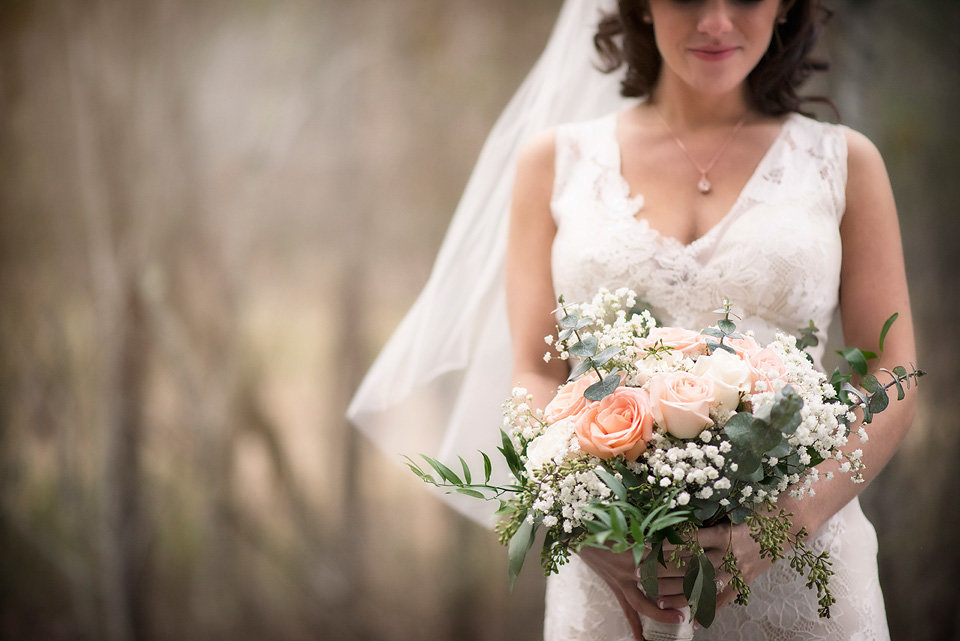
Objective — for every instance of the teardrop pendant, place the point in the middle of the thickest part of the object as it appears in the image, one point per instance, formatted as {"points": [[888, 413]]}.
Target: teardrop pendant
{"points": [[704, 186]]}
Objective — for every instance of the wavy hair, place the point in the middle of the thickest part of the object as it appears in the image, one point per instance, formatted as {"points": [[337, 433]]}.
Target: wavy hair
{"points": [[623, 37]]}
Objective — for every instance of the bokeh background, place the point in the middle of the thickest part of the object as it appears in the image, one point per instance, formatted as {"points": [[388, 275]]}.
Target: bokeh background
{"points": [[212, 214]]}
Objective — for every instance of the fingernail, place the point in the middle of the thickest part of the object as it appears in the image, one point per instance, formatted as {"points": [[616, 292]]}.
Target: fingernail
{"points": [[662, 605]]}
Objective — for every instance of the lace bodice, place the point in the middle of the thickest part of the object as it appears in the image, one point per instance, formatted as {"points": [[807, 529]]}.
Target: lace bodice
{"points": [[776, 255]]}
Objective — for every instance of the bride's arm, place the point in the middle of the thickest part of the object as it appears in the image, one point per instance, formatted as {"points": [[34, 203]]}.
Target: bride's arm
{"points": [[873, 286], [530, 301], [529, 284]]}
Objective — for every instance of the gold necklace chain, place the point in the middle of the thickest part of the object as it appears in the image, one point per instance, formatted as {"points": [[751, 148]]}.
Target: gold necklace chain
{"points": [[704, 186]]}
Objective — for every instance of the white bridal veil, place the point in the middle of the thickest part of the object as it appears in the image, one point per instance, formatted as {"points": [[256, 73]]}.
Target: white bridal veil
{"points": [[437, 386]]}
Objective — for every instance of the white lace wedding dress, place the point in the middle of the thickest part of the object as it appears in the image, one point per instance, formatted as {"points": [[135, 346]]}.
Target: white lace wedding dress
{"points": [[776, 254]]}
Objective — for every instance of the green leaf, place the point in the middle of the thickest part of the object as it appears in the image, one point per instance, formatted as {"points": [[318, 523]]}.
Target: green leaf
{"points": [[739, 515], [727, 326], [466, 471], [748, 463], [870, 383], [900, 371], [612, 482], [703, 606], [886, 328], [879, 401], [472, 493], [601, 389], [856, 358], [606, 355], [444, 471], [752, 433], [785, 413], [712, 331], [510, 454], [648, 569], [517, 549], [704, 509], [569, 321], [487, 467], [585, 348], [582, 368], [781, 450]]}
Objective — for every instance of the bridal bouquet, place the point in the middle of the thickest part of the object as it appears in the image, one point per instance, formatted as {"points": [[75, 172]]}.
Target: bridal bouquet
{"points": [[660, 431]]}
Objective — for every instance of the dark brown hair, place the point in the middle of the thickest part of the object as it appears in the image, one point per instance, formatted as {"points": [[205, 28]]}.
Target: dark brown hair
{"points": [[623, 37]]}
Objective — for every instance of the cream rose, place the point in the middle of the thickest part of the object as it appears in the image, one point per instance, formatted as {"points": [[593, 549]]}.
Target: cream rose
{"points": [[681, 403], [569, 400], [621, 423], [729, 374], [686, 342]]}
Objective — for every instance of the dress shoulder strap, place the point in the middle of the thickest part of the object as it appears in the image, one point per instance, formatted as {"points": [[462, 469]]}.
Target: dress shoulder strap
{"points": [[824, 146], [583, 148]]}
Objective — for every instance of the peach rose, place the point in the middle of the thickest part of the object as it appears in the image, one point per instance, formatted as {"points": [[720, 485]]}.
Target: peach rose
{"points": [[745, 345], [681, 403], [766, 366], [619, 424], [686, 342], [569, 400]]}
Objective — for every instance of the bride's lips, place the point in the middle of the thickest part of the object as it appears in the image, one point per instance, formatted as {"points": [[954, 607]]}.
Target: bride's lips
{"points": [[713, 53]]}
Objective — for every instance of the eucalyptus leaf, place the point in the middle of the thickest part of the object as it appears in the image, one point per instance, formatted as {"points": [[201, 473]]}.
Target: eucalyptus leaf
{"points": [[870, 383], [727, 326], [781, 450], [739, 515], [569, 321], [606, 355], [712, 331], [585, 348], [878, 401], [704, 509], [785, 413], [582, 368], [601, 389]]}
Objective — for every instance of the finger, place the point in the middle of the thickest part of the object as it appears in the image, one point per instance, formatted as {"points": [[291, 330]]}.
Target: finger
{"points": [[716, 537], [633, 619], [674, 602], [669, 587], [648, 608]]}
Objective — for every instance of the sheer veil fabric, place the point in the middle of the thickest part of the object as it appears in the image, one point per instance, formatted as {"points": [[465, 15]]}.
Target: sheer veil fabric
{"points": [[437, 386]]}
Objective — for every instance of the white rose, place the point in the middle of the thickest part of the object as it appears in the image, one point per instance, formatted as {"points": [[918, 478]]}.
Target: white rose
{"points": [[729, 374]]}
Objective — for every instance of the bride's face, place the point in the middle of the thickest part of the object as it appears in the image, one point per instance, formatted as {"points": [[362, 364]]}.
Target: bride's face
{"points": [[712, 45]]}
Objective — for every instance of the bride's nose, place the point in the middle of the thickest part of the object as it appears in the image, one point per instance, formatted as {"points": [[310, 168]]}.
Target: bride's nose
{"points": [[714, 19]]}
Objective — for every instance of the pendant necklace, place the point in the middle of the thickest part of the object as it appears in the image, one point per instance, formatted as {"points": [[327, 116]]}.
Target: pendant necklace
{"points": [[703, 185]]}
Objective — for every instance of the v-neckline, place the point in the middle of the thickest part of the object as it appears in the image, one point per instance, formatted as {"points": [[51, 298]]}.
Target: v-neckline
{"points": [[645, 223]]}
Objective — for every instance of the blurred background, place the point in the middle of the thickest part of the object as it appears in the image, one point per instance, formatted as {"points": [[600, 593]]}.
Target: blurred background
{"points": [[213, 214]]}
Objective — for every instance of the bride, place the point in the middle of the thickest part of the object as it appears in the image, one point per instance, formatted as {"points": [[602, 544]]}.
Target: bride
{"points": [[711, 185]]}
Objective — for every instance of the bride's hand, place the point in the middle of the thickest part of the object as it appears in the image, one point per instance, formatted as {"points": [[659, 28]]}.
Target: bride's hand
{"points": [[715, 541], [620, 573]]}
